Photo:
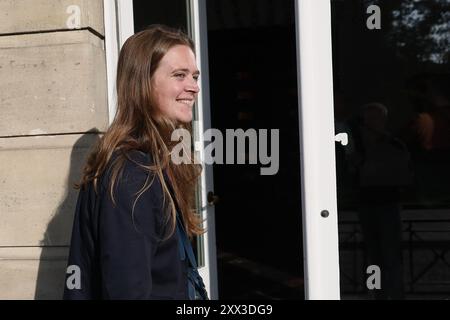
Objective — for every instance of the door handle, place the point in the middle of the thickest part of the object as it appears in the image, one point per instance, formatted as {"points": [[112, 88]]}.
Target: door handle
{"points": [[342, 138], [212, 198]]}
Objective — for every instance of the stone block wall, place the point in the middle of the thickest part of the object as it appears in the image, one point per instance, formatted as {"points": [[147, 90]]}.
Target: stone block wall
{"points": [[53, 94]]}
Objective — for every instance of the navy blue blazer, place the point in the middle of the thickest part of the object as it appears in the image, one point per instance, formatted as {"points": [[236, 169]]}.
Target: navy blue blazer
{"points": [[121, 256]]}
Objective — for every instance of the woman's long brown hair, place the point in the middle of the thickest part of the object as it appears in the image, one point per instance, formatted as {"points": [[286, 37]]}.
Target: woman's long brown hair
{"points": [[136, 126]]}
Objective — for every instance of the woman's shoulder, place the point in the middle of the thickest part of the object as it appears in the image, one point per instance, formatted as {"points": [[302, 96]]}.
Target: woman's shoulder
{"points": [[131, 167], [132, 159], [131, 156]]}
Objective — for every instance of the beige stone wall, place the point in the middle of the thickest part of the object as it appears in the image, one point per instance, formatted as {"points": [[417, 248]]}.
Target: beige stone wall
{"points": [[23, 16], [52, 93]]}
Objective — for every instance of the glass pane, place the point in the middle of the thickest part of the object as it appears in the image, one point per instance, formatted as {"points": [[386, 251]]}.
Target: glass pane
{"points": [[252, 60], [172, 13], [392, 99]]}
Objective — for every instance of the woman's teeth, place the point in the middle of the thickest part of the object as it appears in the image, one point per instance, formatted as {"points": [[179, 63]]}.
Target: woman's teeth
{"points": [[185, 101]]}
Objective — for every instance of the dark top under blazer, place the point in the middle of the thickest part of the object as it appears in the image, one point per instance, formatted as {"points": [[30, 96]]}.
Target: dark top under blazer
{"points": [[119, 259]]}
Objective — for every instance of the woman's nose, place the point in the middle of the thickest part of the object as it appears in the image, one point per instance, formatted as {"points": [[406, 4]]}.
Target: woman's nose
{"points": [[193, 86]]}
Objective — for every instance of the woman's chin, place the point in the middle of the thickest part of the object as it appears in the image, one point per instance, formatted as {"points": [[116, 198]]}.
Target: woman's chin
{"points": [[185, 118]]}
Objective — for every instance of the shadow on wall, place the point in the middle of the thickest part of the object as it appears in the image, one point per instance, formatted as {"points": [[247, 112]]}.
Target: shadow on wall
{"points": [[53, 259]]}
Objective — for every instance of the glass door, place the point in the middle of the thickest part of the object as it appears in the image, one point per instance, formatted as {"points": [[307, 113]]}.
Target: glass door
{"points": [[391, 62], [270, 68]]}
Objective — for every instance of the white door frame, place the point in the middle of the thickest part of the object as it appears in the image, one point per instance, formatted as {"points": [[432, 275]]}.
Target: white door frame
{"points": [[317, 138]]}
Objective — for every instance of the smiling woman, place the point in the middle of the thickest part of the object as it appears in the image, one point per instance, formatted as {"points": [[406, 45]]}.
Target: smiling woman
{"points": [[134, 210], [175, 84]]}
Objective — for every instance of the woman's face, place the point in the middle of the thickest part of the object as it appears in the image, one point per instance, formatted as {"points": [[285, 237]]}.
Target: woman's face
{"points": [[174, 84]]}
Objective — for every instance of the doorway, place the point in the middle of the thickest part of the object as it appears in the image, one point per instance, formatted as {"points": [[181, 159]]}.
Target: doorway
{"points": [[253, 85]]}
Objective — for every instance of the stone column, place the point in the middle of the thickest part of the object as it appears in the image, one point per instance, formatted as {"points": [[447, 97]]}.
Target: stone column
{"points": [[53, 94]]}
